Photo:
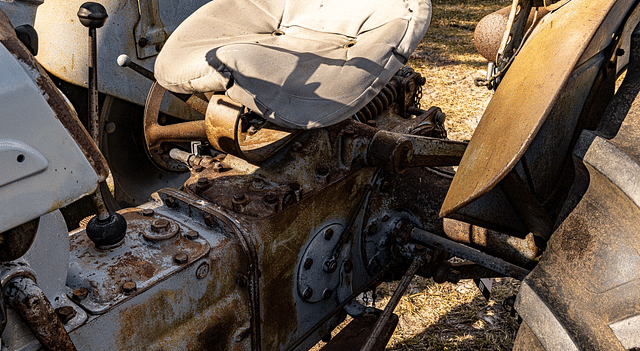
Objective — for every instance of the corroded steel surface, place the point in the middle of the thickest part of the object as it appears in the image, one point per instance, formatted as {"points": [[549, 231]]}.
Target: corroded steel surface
{"points": [[510, 122], [149, 253]]}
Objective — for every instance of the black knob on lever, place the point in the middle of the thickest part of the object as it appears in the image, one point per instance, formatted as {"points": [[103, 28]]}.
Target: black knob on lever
{"points": [[105, 229], [92, 15]]}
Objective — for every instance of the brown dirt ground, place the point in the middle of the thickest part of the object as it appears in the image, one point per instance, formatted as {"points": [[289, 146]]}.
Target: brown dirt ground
{"points": [[453, 316]]}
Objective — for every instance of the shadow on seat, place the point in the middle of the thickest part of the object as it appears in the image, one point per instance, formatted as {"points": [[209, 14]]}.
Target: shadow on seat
{"points": [[298, 64]]}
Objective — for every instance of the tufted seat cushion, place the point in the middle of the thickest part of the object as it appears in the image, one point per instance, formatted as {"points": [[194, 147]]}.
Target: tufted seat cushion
{"points": [[299, 63]]}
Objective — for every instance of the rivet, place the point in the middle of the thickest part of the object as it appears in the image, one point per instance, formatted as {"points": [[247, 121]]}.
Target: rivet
{"points": [[217, 167], [308, 263], [110, 127], [181, 258], [147, 212], [372, 123], [220, 157], [349, 132], [129, 287], [308, 293], [327, 293], [328, 234], [202, 270], [80, 294], [385, 218]]}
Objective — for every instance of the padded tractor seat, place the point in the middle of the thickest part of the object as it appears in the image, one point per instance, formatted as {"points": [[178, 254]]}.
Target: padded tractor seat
{"points": [[301, 64]]}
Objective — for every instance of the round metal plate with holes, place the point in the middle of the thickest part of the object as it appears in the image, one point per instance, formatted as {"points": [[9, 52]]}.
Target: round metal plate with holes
{"points": [[317, 277]]}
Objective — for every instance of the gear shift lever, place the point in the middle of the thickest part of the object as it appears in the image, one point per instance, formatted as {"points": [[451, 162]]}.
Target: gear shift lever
{"points": [[105, 229]]}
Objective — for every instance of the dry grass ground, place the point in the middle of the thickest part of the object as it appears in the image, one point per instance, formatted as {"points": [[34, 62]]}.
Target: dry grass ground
{"points": [[453, 316]]}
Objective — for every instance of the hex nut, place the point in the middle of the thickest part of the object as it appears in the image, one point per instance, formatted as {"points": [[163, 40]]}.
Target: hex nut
{"points": [[308, 263], [327, 293], [307, 293], [129, 287], [328, 234], [80, 294], [65, 313], [191, 235], [159, 225], [181, 258]]}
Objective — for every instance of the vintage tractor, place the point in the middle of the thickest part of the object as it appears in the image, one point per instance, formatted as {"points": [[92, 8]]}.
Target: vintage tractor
{"points": [[282, 166]]}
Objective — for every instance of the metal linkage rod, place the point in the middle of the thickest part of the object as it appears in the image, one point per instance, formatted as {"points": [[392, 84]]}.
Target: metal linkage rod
{"points": [[468, 253], [393, 302]]}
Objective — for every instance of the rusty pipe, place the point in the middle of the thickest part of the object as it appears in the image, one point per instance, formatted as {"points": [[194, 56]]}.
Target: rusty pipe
{"points": [[26, 298], [417, 262], [397, 152]]}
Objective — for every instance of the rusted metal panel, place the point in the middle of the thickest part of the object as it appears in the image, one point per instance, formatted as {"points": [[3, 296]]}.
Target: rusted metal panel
{"points": [[509, 122], [154, 248]]}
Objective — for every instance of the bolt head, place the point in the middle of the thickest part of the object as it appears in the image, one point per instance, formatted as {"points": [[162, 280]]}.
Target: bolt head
{"points": [[328, 234], [308, 263], [159, 225], [308, 293], [239, 198], [330, 266], [181, 258], [80, 294], [147, 212], [129, 287], [327, 293], [65, 313], [191, 235]]}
